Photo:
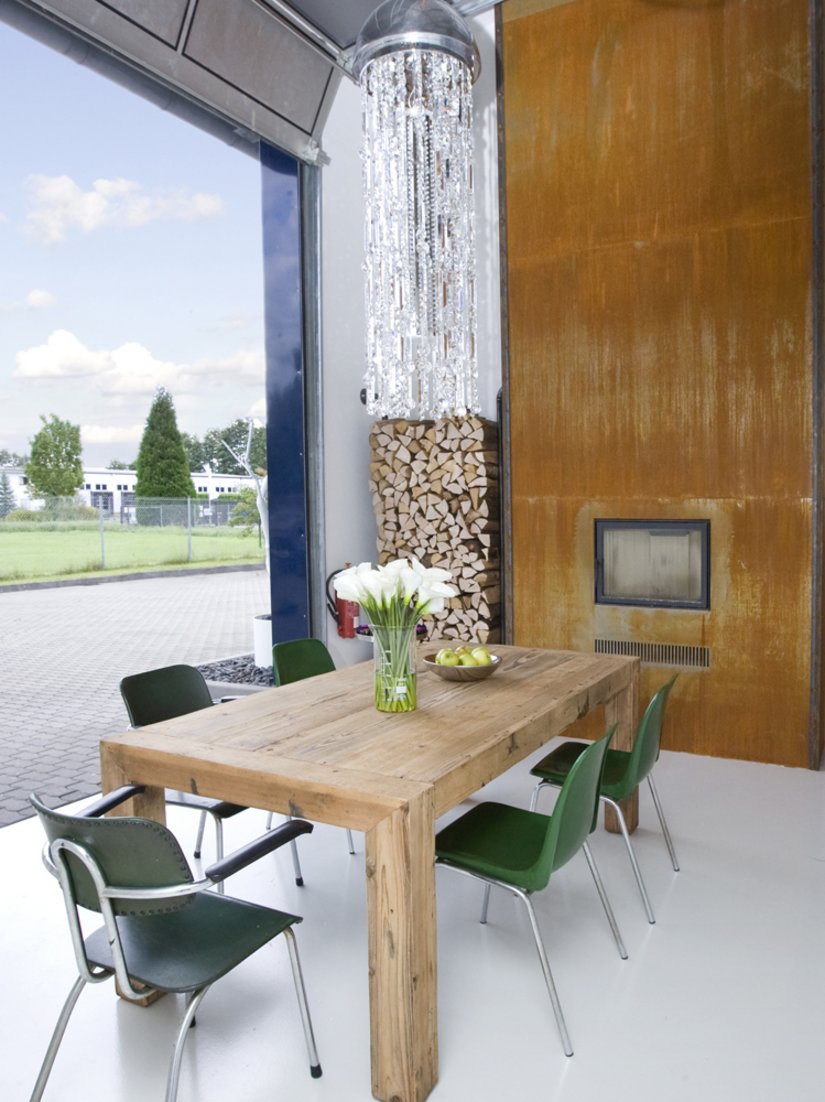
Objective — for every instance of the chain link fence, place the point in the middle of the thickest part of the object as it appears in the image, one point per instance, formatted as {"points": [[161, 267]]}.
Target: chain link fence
{"points": [[66, 537]]}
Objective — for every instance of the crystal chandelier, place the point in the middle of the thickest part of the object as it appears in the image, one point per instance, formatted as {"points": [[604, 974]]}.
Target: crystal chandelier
{"points": [[416, 61]]}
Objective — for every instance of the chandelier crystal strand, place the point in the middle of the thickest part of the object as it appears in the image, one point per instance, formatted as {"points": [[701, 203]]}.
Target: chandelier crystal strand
{"points": [[419, 235]]}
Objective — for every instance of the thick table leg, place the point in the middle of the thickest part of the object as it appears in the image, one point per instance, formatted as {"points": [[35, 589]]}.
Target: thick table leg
{"points": [[150, 804], [623, 709], [402, 953]]}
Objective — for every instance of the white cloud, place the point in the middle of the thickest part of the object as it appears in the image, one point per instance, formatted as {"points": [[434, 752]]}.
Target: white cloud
{"points": [[34, 300], [38, 300], [107, 434], [57, 204], [62, 356], [131, 369]]}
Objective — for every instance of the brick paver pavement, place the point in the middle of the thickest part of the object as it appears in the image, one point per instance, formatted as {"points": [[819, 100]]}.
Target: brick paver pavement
{"points": [[63, 651]]}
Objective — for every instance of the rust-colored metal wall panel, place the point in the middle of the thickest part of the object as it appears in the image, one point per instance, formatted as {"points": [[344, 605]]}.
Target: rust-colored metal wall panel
{"points": [[659, 236]]}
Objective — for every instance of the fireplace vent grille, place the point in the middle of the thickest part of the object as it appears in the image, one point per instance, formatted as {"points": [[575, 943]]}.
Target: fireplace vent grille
{"points": [[658, 654]]}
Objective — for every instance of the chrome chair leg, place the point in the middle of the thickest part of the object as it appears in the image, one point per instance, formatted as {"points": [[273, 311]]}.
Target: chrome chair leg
{"points": [[300, 991], [548, 975], [296, 864], [668, 840], [545, 963], [637, 872], [57, 1037], [534, 799], [608, 910], [299, 880], [219, 849], [199, 839], [485, 904], [177, 1053], [293, 845]]}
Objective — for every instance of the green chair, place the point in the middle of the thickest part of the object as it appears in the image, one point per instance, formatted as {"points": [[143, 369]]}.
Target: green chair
{"points": [[162, 930], [297, 659], [624, 771], [157, 695], [519, 850]]}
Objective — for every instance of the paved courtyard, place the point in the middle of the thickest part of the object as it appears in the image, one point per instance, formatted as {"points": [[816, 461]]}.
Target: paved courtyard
{"points": [[63, 651]]}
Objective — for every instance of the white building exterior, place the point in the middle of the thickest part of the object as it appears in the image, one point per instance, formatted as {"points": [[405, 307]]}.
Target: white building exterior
{"points": [[114, 491]]}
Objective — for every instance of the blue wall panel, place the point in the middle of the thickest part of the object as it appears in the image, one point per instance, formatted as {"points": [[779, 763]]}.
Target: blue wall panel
{"points": [[286, 444]]}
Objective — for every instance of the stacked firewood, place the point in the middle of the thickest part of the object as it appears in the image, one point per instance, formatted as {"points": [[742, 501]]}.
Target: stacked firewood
{"points": [[435, 491]]}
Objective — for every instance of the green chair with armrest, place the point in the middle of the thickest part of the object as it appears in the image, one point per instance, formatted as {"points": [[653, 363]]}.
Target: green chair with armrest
{"points": [[165, 693], [297, 659], [519, 850], [624, 771], [162, 931]]}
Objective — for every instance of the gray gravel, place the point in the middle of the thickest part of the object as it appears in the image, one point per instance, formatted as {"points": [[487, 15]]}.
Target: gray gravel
{"points": [[238, 671]]}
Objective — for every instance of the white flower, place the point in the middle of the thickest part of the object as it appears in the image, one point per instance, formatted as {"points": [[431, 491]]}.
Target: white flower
{"points": [[399, 591], [347, 585]]}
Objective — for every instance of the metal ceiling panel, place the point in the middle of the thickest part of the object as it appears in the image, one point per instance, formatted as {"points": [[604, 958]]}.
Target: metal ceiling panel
{"points": [[162, 18], [262, 68], [341, 21], [243, 45], [235, 58]]}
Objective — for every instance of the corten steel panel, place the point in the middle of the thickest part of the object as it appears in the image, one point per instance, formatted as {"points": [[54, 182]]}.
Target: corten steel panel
{"points": [[659, 226]]}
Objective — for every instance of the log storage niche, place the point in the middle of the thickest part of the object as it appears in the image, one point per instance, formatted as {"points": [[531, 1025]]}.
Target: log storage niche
{"points": [[435, 491]]}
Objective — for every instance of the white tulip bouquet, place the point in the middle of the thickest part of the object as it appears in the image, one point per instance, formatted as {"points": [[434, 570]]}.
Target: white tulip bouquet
{"points": [[395, 597]]}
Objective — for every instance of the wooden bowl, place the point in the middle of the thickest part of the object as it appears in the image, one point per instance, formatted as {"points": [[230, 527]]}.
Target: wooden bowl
{"points": [[462, 673]]}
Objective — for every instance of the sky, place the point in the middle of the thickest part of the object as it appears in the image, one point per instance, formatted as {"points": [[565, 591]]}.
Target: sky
{"points": [[130, 257]]}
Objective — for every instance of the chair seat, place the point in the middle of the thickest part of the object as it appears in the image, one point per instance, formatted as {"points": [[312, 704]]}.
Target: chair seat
{"points": [[499, 841], [190, 948], [555, 766]]}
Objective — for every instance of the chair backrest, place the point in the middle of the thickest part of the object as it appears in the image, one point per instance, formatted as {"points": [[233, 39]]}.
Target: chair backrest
{"points": [[170, 691], [576, 811], [297, 659], [648, 739], [129, 852]]}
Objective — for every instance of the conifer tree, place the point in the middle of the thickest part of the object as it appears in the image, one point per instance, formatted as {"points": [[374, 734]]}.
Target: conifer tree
{"points": [[162, 467], [7, 502]]}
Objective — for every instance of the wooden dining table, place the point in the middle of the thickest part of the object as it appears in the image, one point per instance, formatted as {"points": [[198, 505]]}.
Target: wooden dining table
{"points": [[319, 749]]}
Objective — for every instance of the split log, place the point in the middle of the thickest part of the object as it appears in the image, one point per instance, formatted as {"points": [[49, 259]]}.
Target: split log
{"points": [[435, 492]]}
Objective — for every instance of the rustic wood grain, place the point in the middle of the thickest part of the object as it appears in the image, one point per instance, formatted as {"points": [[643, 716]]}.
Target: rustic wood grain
{"points": [[319, 749]]}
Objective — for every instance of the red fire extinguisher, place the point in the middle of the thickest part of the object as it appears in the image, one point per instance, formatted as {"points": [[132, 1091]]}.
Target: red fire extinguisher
{"points": [[344, 613]]}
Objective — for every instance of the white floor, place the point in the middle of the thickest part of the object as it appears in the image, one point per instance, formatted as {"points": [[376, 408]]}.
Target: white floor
{"points": [[721, 999]]}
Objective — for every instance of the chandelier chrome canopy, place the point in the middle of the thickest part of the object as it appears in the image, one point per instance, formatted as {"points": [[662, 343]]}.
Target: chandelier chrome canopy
{"points": [[416, 61]]}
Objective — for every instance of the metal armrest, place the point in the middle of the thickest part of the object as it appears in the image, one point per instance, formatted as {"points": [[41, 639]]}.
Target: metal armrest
{"points": [[222, 808], [252, 851], [110, 800]]}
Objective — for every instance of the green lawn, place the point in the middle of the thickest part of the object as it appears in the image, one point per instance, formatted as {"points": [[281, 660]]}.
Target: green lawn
{"points": [[30, 553]]}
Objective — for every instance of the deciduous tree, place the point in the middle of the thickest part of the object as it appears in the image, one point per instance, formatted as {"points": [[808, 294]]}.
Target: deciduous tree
{"points": [[55, 468]]}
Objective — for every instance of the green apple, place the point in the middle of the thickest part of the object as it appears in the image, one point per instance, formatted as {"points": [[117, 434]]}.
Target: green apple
{"points": [[482, 656], [462, 650], [447, 657], [466, 659]]}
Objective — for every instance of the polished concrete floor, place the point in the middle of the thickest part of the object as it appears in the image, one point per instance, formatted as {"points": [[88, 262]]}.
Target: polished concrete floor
{"points": [[722, 999]]}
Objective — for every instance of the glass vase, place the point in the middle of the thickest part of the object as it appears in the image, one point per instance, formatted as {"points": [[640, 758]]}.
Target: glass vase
{"points": [[395, 676]]}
